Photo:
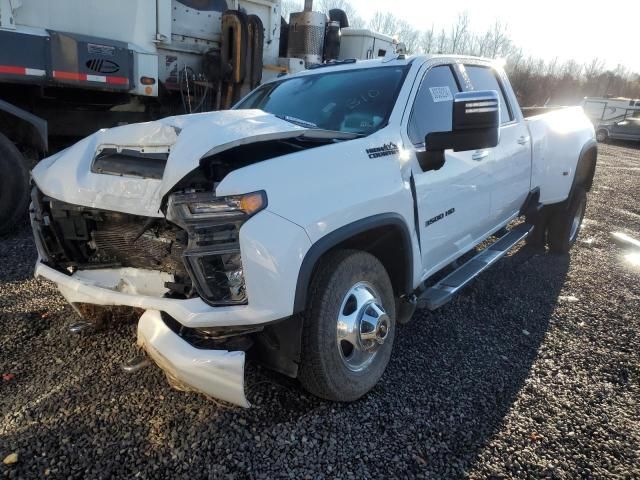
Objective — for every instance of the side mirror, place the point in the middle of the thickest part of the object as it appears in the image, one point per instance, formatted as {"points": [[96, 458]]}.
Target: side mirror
{"points": [[476, 125]]}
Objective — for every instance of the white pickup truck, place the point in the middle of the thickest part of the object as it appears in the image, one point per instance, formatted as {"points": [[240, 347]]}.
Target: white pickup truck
{"points": [[302, 227]]}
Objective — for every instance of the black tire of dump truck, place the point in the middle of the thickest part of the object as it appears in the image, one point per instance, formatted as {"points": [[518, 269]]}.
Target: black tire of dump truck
{"points": [[14, 186]]}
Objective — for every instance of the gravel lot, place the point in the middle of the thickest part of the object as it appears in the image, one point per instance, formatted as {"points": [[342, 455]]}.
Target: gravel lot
{"points": [[534, 371]]}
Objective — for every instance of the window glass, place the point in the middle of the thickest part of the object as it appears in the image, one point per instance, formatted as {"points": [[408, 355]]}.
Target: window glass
{"points": [[433, 106], [484, 78], [354, 101]]}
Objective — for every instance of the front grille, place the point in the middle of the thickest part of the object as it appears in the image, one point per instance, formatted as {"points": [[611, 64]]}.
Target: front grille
{"points": [[122, 242]]}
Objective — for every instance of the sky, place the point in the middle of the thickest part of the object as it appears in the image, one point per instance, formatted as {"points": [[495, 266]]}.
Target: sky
{"points": [[567, 29]]}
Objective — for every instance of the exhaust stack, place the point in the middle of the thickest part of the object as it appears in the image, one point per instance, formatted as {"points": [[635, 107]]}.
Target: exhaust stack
{"points": [[306, 34]]}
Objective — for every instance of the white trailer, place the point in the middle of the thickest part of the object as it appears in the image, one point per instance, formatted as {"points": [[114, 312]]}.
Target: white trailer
{"points": [[604, 109]]}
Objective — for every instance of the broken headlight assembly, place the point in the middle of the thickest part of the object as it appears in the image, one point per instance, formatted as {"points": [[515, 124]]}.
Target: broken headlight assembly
{"points": [[213, 252]]}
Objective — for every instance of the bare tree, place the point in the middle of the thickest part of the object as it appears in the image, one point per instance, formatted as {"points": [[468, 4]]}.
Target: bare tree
{"points": [[499, 40], [594, 68], [384, 22], [291, 6], [428, 40], [409, 36], [355, 20], [459, 32], [443, 44], [482, 44]]}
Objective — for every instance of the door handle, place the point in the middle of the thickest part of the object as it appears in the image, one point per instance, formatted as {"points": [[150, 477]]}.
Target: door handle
{"points": [[480, 154], [523, 140]]}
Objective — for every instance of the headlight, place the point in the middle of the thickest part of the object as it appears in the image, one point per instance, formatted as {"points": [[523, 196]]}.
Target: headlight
{"points": [[197, 206], [213, 254]]}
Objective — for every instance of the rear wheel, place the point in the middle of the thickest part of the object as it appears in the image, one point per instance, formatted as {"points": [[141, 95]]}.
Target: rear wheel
{"points": [[14, 186], [566, 222], [602, 136], [349, 327]]}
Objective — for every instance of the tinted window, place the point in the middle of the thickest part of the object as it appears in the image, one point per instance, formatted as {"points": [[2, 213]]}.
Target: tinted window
{"points": [[354, 101], [483, 78], [433, 107]]}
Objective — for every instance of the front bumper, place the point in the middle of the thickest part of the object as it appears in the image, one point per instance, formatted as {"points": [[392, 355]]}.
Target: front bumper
{"points": [[107, 287], [272, 252], [216, 373]]}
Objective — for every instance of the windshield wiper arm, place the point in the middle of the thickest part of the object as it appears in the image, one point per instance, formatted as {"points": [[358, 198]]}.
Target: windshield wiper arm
{"points": [[333, 134], [297, 121]]}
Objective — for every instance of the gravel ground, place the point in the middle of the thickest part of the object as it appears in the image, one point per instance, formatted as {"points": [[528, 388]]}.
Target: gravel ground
{"points": [[533, 371]]}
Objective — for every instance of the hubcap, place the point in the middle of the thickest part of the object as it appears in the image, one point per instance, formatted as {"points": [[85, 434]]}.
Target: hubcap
{"points": [[362, 327], [577, 221]]}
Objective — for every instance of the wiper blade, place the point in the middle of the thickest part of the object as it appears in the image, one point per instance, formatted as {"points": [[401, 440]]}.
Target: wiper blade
{"points": [[297, 121], [321, 132], [332, 135]]}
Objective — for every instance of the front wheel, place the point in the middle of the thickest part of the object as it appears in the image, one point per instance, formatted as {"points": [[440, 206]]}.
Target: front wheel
{"points": [[349, 327]]}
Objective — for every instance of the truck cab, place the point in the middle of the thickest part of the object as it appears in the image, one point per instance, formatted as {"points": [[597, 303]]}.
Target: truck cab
{"points": [[303, 227]]}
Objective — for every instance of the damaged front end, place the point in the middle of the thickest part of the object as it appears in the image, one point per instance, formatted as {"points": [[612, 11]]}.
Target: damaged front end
{"points": [[130, 226], [195, 252], [114, 268]]}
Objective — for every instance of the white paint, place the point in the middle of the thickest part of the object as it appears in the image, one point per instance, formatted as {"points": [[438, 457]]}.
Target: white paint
{"points": [[216, 373], [310, 193]]}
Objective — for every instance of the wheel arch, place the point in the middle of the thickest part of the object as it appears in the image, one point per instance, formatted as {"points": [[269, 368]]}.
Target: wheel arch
{"points": [[373, 234], [586, 167]]}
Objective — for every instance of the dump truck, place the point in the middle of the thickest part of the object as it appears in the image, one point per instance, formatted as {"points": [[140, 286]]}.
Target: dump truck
{"points": [[71, 67]]}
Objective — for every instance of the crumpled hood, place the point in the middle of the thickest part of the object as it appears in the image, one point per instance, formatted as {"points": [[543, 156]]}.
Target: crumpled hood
{"points": [[67, 176]]}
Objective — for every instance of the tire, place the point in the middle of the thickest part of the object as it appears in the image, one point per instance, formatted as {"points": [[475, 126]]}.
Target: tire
{"points": [[344, 284], [14, 186], [602, 136], [566, 222]]}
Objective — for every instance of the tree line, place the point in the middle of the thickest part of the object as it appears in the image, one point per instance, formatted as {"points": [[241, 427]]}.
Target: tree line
{"points": [[536, 81]]}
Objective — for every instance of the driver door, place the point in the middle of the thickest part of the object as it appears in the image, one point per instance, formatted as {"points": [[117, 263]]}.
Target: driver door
{"points": [[454, 203]]}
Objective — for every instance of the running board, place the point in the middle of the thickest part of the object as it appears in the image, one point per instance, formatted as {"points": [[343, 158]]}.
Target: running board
{"points": [[443, 291]]}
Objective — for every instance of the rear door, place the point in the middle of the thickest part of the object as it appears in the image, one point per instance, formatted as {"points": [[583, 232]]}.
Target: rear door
{"points": [[453, 203], [510, 166]]}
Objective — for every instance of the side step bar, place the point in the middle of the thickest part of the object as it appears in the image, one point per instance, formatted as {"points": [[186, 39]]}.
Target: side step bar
{"points": [[442, 292]]}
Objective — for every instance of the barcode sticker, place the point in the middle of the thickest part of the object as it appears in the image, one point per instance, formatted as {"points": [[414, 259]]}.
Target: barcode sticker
{"points": [[441, 94]]}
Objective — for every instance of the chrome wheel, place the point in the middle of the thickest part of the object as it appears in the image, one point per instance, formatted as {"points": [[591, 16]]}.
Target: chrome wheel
{"points": [[577, 221], [362, 326]]}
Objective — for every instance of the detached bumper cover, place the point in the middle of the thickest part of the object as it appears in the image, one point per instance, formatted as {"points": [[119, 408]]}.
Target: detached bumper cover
{"points": [[216, 373]]}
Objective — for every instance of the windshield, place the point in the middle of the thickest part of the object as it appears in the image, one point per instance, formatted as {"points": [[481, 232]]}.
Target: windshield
{"points": [[350, 101]]}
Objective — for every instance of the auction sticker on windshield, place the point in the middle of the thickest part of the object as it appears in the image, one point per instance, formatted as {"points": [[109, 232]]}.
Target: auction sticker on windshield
{"points": [[441, 94]]}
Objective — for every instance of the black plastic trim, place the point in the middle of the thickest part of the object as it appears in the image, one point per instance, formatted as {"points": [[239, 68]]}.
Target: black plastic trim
{"points": [[416, 215], [532, 203], [342, 234], [584, 170]]}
